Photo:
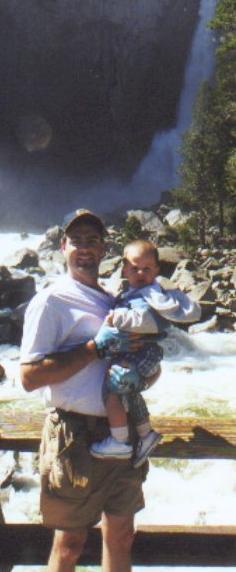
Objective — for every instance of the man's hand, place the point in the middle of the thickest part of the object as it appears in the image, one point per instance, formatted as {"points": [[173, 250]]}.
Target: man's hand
{"points": [[110, 341]]}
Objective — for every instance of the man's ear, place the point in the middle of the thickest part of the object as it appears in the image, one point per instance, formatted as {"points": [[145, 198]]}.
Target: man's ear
{"points": [[158, 269], [104, 248], [63, 243], [123, 268]]}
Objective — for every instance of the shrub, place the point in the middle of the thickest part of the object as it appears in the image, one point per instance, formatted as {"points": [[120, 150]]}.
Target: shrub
{"points": [[132, 230]]}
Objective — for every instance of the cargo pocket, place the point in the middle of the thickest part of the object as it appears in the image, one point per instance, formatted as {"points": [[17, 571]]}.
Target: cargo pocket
{"points": [[71, 468], [48, 447], [70, 464]]}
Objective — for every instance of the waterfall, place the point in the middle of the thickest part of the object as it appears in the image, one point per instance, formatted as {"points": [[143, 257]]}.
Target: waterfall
{"points": [[158, 170]]}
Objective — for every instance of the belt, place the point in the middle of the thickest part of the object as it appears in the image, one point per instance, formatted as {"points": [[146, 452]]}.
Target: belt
{"points": [[89, 421]]}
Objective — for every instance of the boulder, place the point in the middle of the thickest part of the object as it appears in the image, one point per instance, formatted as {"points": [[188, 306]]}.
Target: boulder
{"points": [[113, 283], [208, 326], [16, 289], [11, 324], [166, 283], [175, 217], [52, 239], [220, 273], [171, 254], [211, 264], [233, 278], [23, 258], [169, 257], [203, 292], [2, 373], [232, 304], [4, 273], [108, 266], [52, 262], [6, 331], [149, 221], [184, 279], [207, 307], [187, 264]]}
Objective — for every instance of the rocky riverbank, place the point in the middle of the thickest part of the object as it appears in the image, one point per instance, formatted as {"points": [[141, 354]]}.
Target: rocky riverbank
{"points": [[198, 370], [208, 275]]}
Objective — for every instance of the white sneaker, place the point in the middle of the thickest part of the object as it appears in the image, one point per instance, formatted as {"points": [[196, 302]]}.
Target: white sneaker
{"points": [[110, 448], [145, 446]]}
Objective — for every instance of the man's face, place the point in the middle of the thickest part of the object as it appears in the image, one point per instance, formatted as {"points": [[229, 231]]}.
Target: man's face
{"points": [[83, 249], [140, 268]]}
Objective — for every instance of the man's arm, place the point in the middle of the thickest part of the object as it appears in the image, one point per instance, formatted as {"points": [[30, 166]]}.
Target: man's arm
{"points": [[56, 368], [59, 366]]}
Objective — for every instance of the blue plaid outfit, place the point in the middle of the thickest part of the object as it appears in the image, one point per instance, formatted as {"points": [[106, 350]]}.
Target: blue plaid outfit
{"points": [[146, 361]]}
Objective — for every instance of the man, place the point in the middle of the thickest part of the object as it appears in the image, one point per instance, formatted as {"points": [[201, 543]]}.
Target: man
{"points": [[64, 343]]}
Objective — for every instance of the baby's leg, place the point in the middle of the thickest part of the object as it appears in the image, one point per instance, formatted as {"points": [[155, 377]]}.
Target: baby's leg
{"points": [[117, 445], [116, 413], [148, 438]]}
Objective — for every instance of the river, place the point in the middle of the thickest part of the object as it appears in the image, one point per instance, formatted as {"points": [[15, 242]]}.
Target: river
{"points": [[198, 379]]}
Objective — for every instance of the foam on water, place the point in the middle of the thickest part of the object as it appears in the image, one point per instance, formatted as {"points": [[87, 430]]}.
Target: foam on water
{"points": [[190, 493], [198, 375], [11, 242], [198, 378]]}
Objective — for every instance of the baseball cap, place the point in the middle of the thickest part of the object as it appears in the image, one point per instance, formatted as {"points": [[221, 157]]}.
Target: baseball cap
{"points": [[85, 215]]}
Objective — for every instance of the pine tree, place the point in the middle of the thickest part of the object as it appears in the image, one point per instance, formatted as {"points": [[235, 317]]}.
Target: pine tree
{"points": [[208, 185], [196, 192]]}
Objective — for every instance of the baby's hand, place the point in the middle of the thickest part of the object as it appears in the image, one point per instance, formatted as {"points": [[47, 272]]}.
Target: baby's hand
{"points": [[109, 319]]}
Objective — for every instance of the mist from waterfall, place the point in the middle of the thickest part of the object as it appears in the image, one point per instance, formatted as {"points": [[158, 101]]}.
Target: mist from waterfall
{"points": [[29, 181], [158, 171]]}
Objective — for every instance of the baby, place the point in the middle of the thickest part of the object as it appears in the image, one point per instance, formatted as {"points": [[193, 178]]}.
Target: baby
{"points": [[145, 308]]}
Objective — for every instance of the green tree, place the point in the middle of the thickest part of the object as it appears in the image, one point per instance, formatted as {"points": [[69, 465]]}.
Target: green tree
{"points": [[199, 150], [224, 23], [133, 230], [208, 184]]}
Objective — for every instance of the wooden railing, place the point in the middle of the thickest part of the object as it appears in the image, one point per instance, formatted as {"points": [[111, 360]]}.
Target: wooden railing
{"points": [[183, 438]]}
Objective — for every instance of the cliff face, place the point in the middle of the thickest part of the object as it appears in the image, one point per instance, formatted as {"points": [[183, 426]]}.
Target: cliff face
{"points": [[101, 76]]}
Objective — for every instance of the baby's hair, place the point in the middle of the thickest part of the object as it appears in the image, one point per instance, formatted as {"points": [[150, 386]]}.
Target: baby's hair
{"points": [[145, 246]]}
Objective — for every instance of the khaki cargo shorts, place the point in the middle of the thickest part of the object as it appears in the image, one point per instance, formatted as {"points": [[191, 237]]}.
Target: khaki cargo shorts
{"points": [[75, 487]]}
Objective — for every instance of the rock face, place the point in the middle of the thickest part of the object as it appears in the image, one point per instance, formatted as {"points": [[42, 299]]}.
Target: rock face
{"points": [[208, 276], [16, 289], [101, 77]]}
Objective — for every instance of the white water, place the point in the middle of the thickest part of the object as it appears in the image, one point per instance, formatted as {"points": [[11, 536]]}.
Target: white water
{"points": [[198, 378], [11, 242], [158, 171]]}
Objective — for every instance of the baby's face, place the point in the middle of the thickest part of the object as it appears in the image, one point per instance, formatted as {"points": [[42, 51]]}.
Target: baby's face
{"points": [[140, 268]]}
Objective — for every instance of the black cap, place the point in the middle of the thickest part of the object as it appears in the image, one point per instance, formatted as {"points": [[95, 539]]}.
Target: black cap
{"points": [[86, 216]]}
